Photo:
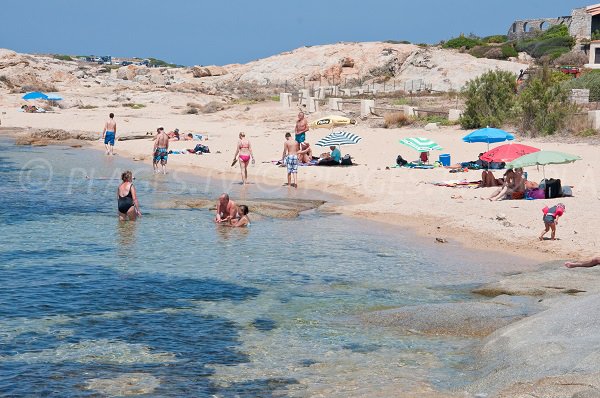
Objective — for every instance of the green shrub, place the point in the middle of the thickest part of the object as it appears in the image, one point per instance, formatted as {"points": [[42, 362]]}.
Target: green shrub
{"points": [[400, 101], [590, 81], [553, 47], [596, 35], [461, 41], [544, 105], [590, 132], [397, 42], [489, 99], [497, 39], [62, 57], [508, 51], [133, 106], [555, 31]]}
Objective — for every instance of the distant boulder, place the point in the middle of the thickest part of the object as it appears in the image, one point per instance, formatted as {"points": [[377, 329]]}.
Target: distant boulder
{"points": [[199, 71], [347, 62], [205, 71]]}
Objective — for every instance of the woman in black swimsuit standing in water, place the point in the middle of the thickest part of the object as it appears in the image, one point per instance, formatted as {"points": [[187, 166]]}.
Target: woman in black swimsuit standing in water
{"points": [[129, 208]]}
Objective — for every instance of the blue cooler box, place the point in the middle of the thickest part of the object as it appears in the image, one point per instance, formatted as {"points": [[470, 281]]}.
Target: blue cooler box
{"points": [[445, 159]]}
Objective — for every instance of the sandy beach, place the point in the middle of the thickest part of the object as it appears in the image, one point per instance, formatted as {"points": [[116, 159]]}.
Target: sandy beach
{"points": [[370, 189]]}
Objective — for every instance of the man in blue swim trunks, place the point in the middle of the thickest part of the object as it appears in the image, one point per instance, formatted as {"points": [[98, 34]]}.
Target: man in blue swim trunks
{"points": [[161, 150], [109, 133], [301, 128]]}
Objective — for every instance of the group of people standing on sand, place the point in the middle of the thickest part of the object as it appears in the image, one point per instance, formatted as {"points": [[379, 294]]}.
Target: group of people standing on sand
{"points": [[295, 151]]}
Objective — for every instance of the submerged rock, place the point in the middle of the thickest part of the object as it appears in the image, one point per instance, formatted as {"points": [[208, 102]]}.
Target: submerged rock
{"points": [[127, 384], [573, 386], [275, 208], [468, 319], [47, 136], [553, 282], [561, 341]]}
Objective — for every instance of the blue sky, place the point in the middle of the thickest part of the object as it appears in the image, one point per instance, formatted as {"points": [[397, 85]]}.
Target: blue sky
{"points": [[193, 32]]}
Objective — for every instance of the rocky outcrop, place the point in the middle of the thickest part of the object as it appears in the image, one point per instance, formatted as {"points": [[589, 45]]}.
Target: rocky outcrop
{"points": [[276, 208], [464, 319], [206, 71], [562, 340]]}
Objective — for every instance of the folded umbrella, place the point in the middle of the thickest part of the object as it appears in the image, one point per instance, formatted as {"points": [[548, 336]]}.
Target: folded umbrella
{"points": [[331, 121]]}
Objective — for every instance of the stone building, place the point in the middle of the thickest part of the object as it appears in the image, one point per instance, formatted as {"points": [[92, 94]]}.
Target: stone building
{"points": [[582, 23]]}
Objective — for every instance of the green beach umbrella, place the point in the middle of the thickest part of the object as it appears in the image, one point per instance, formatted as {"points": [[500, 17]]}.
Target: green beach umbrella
{"points": [[421, 144], [542, 158]]}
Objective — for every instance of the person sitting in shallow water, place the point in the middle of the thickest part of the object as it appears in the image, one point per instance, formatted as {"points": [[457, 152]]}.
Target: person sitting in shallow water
{"points": [[243, 221], [127, 201]]}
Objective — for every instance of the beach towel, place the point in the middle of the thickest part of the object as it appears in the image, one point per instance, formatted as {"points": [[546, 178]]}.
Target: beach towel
{"points": [[457, 184]]}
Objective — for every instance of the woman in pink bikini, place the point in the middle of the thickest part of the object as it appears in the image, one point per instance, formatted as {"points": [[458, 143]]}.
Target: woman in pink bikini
{"points": [[244, 151]]}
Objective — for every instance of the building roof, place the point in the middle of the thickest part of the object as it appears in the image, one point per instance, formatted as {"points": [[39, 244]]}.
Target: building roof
{"points": [[593, 9]]}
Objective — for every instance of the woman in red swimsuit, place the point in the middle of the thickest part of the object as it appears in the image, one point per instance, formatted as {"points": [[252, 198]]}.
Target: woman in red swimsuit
{"points": [[244, 150]]}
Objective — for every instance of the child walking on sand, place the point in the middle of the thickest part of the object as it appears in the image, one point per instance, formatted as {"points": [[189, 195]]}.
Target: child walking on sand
{"points": [[551, 216]]}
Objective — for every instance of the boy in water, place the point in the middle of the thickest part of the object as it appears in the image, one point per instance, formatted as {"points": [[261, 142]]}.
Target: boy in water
{"points": [[109, 134], [551, 216]]}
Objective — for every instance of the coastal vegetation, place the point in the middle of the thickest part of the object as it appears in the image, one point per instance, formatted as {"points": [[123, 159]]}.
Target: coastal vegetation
{"points": [[489, 100], [589, 80], [552, 43], [62, 57], [133, 105], [541, 106]]}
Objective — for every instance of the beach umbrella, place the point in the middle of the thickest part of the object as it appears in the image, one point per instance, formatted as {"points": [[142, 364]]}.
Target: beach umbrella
{"points": [[331, 121], [421, 144], [508, 152], [35, 95], [488, 135], [339, 138], [53, 97], [542, 158]]}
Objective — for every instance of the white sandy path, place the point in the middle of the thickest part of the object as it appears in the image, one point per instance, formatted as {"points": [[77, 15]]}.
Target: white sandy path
{"points": [[400, 196]]}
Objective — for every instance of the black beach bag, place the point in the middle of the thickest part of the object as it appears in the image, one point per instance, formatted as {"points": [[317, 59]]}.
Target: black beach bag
{"points": [[553, 188], [346, 161]]}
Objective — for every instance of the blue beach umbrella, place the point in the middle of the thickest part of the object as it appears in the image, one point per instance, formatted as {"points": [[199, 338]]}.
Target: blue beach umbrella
{"points": [[35, 95], [488, 135], [53, 97]]}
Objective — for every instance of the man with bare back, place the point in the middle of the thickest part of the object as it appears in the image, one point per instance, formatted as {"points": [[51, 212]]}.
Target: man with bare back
{"points": [[109, 133], [290, 158], [227, 210], [161, 150]]}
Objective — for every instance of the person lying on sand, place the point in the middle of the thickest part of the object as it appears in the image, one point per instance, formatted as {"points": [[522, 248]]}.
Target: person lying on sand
{"points": [[189, 137], [174, 135], [583, 264]]}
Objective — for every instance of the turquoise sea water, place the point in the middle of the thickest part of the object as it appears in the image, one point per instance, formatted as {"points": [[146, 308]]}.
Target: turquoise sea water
{"points": [[174, 306]]}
